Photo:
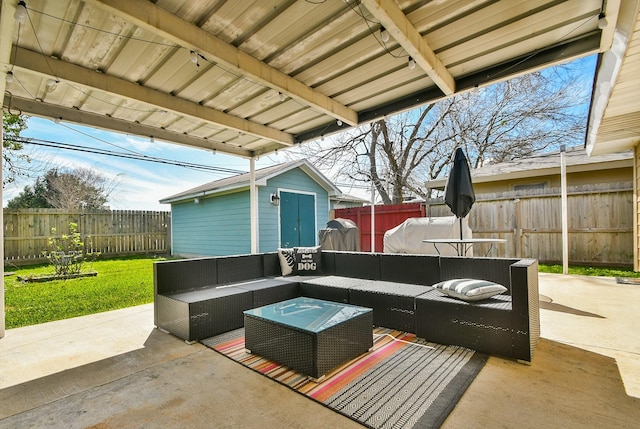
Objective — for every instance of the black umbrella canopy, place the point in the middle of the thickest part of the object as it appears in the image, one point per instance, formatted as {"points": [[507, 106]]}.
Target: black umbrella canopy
{"points": [[458, 194]]}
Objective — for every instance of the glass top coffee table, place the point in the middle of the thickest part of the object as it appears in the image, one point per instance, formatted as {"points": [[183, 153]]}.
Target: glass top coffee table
{"points": [[309, 335]]}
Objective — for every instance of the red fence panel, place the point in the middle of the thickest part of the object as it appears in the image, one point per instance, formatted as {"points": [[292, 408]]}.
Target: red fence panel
{"points": [[385, 217]]}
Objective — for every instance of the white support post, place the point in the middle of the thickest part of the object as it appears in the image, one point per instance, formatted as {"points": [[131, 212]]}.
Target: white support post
{"points": [[373, 217], [7, 31], [253, 204], [565, 217], [2, 314]]}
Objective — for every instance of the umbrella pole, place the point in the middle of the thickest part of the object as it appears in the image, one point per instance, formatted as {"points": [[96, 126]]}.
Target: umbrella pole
{"points": [[464, 252]]}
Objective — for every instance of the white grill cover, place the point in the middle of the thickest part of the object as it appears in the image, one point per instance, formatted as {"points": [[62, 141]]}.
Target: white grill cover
{"points": [[407, 237]]}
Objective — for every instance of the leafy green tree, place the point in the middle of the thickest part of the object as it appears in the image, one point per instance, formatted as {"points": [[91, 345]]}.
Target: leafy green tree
{"points": [[31, 197], [13, 161], [66, 189]]}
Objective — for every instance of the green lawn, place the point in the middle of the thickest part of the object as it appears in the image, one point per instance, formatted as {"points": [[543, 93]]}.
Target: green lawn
{"points": [[590, 271], [124, 283], [120, 283]]}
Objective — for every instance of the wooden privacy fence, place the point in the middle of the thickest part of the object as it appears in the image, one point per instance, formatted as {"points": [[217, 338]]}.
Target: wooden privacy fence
{"points": [[600, 219], [112, 233]]}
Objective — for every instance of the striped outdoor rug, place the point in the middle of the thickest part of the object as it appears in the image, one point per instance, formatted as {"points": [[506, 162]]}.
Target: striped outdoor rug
{"points": [[399, 384]]}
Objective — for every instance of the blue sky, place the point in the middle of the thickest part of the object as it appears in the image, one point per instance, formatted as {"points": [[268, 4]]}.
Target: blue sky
{"points": [[140, 184]]}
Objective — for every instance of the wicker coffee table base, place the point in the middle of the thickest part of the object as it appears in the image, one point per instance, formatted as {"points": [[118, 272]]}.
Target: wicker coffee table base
{"points": [[311, 353]]}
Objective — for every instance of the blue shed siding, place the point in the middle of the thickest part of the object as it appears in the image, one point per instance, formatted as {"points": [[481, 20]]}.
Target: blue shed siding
{"points": [[217, 226], [221, 225], [294, 180], [267, 219]]}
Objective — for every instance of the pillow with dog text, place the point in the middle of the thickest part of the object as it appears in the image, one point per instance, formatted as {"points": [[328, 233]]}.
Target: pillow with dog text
{"points": [[308, 260]]}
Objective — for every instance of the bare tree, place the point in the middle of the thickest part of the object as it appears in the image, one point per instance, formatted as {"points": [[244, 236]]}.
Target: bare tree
{"points": [[505, 121], [78, 188]]}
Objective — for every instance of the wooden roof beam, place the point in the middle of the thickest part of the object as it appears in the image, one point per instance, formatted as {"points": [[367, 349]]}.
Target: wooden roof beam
{"points": [[65, 71], [155, 19], [403, 31], [46, 110]]}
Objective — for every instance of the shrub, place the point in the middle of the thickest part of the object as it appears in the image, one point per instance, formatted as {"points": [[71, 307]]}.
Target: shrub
{"points": [[66, 252]]}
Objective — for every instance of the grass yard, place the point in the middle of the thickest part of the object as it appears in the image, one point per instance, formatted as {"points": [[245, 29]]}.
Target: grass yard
{"points": [[590, 271], [120, 283], [124, 283]]}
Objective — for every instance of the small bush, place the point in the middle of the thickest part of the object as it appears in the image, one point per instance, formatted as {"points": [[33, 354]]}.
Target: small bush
{"points": [[67, 252]]}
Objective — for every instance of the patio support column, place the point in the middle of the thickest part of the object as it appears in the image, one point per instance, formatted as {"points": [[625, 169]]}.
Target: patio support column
{"points": [[253, 204], [565, 221], [636, 208], [2, 315], [7, 30], [373, 216]]}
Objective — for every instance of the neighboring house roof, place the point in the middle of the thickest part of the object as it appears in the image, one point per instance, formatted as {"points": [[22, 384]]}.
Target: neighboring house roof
{"points": [[346, 198], [544, 164], [241, 181]]}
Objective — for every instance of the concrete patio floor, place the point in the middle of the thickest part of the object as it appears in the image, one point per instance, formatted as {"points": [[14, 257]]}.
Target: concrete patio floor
{"points": [[114, 370]]}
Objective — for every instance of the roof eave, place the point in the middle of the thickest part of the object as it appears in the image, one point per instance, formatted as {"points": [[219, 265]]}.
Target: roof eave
{"points": [[532, 173], [608, 70], [239, 187]]}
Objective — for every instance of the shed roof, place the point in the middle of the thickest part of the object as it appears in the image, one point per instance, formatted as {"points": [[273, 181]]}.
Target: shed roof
{"points": [[548, 163], [346, 198], [241, 181]]}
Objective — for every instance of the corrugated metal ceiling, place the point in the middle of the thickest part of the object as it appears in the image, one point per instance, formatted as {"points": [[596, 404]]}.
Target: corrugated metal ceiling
{"points": [[270, 74], [614, 124]]}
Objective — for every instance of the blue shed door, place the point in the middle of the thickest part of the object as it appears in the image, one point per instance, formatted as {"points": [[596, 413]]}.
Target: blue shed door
{"points": [[297, 220]]}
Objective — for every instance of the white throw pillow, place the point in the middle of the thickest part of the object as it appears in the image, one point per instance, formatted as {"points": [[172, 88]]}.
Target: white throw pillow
{"points": [[469, 289], [287, 260]]}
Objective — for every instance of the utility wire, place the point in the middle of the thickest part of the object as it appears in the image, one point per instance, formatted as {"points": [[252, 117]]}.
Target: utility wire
{"points": [[134, 156]]}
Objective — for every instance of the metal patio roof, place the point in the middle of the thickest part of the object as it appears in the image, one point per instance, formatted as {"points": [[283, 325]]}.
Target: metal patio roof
{"points": [[250, 77], [614, 123]]}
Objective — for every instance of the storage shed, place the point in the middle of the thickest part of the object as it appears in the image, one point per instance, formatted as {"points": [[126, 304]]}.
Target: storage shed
{"points": [[214, 219]]}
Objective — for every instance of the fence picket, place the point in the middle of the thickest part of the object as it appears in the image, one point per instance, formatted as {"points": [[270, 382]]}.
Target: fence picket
{"points": [[600, 223], [116, 232]]}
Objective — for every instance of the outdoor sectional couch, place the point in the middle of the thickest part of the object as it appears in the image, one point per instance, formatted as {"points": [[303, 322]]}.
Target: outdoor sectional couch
{"points": [[202, 297]]}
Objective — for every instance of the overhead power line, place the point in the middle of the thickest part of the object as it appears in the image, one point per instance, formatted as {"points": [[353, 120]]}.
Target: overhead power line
{"points": [[134, 156]]}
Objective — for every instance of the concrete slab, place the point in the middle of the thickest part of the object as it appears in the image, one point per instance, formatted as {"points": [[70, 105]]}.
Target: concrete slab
{"points": [[149, 379], [115, 370], [595, 314], [33, 352]]}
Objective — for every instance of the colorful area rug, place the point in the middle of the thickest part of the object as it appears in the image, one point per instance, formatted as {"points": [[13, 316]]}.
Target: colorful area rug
{"points": [[404, 382]]}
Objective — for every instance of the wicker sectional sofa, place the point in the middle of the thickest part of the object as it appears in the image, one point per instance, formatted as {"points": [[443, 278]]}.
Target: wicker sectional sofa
{"points": [[202, 297]]}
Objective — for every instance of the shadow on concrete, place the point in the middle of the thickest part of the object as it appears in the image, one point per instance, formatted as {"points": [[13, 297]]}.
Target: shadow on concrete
{"points": [[547, 303], [165, 384], [171, 385], [564, 387]]}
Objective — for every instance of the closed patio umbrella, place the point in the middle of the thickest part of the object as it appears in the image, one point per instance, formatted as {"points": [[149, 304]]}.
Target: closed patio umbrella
{"points": [[459, 194]]}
